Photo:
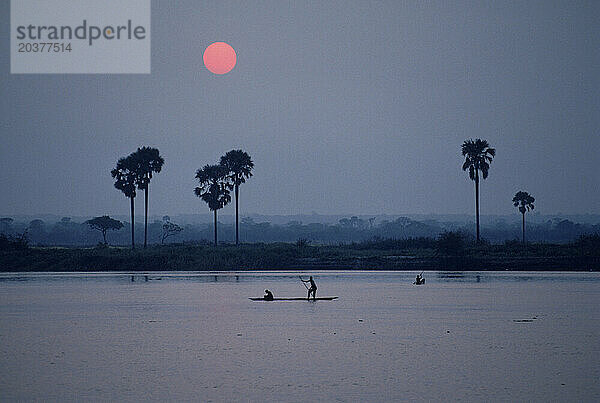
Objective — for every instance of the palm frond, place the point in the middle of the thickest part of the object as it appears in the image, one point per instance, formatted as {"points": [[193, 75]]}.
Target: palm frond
{"points": [[524, 200], [239, 166], [214, 187], [125, 176], [478, 156]]}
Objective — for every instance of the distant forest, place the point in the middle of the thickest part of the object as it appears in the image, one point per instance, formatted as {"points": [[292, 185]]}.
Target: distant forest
{"points": [[71, 232]]}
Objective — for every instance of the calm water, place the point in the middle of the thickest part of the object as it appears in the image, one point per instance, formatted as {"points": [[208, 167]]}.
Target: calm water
{"points": [[188, 336]]}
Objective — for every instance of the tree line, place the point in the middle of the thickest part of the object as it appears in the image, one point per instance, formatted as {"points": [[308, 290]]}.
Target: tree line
{"points": [[216, 181], [134, 173], [168, 229]]}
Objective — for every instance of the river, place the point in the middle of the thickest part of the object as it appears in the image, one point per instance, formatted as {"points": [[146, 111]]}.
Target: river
{"points": [[501, 336]]}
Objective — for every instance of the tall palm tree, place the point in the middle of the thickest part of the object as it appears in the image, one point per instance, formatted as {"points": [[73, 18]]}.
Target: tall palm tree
{"points": [[125, 175], [148, 160], [524, 201], [478, 156], [239, 166], [213, 189]]}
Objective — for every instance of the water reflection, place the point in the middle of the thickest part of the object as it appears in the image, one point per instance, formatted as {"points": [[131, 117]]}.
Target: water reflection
{"points": [[460, 277]]}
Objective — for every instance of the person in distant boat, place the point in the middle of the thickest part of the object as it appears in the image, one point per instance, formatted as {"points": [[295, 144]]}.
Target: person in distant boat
{"points": [[419, 279], [268, 295], [313, 287]]}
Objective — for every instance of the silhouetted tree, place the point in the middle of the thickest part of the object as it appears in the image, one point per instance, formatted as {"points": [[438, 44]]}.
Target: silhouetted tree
{"points": [[524, 201], [169, 229], [36, 231], [6, 225], [148, 160], [9, 242], [37, 225], [213, 189], [125, 175], [239, 166], [65, 231], [103, 224], [478, 156]]}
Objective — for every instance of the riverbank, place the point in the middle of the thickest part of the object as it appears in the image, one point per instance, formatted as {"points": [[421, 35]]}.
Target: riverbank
{"points": [[365, 256]]}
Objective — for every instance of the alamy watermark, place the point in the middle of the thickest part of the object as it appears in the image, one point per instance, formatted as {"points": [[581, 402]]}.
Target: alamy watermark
{"points": [[81, 36]]}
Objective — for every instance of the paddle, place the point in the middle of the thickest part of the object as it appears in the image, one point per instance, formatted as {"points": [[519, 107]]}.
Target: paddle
{"points": [[303, 283]]}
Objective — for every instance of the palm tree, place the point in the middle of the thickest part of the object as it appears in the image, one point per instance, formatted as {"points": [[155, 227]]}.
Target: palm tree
{"points": [[213, 189], [148, 160], [478, 156], [524, 201], [125, 175], [239, 166]]}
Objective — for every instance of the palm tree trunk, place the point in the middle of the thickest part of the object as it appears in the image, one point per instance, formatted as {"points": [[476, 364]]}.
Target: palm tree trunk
{"points": [[237, 224], [146, 214], [215, 227], [523, 228], [132, 225], [477, 203]]}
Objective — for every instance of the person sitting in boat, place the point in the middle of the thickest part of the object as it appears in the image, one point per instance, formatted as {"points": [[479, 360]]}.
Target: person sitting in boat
{"points": [[268, 295], [419, 280], [312, 289]]}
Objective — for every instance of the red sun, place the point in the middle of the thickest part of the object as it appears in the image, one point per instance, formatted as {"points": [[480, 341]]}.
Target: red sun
{"points": [[219, 58]]}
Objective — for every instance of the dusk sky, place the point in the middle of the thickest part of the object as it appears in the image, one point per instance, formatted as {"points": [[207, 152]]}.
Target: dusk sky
{"points": [[346, 107]]}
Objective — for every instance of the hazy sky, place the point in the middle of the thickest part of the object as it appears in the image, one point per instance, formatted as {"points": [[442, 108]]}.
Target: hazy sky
{"points": [[345, 107]]}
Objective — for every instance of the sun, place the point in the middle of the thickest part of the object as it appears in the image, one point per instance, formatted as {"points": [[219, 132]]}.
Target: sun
{"points": [[219, 58]]}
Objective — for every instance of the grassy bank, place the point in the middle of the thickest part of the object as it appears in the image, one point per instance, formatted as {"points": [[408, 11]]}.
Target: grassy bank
{"points": [[382, 255]]}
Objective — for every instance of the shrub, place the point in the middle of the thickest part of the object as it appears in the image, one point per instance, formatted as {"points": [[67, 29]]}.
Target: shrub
{"points": [[302, 242], [18, 242], [451, 243]]}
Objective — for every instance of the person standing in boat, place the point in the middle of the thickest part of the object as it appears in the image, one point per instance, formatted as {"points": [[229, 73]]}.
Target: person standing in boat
{"points": [[312, 289]]}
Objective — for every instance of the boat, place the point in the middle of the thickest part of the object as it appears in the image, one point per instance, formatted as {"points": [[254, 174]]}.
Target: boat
{"points": [[295, 299]]}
